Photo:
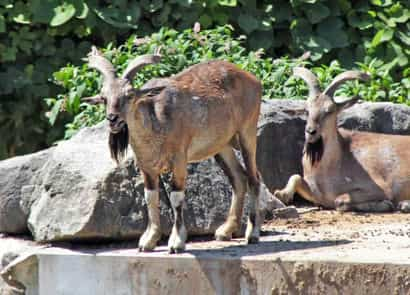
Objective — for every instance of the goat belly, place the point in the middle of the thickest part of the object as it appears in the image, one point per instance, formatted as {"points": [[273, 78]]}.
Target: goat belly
{"points": [[204, 147]]}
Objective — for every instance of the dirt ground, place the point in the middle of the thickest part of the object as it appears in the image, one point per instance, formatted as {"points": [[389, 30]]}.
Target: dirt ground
{"points": [[313, 217]]}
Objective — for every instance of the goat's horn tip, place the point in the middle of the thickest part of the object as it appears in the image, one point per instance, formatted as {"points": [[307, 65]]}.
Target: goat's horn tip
{"points": [[94, 51], [365, 76]]}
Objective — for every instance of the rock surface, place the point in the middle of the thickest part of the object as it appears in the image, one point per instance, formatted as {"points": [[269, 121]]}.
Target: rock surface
{"points": [[17, 175], [280, 141], [381, 117], [10, 248], [75, 191]]}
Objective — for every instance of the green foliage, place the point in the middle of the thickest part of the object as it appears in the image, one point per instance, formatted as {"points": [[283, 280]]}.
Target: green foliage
{"points": [[181, 50], [37, 37]]}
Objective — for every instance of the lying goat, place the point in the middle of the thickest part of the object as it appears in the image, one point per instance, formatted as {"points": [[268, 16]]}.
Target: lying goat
{"points": [[202, 112], [348, 170]]}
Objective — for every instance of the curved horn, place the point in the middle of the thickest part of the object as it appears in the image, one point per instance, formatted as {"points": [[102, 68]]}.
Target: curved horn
{"points": [[310, 79], [343, 77], [97, 61], [138, 63]]}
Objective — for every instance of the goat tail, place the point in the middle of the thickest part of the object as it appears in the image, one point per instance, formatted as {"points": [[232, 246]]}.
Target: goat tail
{"points": [[118, 143]]}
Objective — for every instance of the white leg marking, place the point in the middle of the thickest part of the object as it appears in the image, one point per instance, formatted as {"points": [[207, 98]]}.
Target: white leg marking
{"points": [[152, 234], [178, 236]]}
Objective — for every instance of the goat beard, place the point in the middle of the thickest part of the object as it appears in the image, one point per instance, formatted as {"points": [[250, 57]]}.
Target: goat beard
{"points": [[118, 143], [314, 151]]}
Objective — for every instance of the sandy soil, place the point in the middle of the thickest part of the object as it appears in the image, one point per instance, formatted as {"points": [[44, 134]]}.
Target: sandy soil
{"points": [[313, 218]]}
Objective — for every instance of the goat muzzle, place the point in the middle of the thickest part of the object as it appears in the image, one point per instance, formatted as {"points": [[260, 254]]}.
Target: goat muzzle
{"points": [[115, 123]]}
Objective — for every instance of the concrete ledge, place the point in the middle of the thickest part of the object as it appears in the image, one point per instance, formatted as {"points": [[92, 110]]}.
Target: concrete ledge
{"points": [[62, 271], [295, 258]]}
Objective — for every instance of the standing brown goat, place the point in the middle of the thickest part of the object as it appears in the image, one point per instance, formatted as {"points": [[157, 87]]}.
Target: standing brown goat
{"points": [[348, 170], [202, 112]]}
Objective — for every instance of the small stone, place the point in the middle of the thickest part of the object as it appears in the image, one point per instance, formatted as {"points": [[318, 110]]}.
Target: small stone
{"points": [[286, 212]]}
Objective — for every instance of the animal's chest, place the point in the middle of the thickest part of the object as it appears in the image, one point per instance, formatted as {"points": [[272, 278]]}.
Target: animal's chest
{"points": [[149, 152], [330, 181]]}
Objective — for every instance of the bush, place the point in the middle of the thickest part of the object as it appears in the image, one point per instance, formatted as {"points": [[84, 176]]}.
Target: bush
{"points": [[38, 37], [181, 50]]}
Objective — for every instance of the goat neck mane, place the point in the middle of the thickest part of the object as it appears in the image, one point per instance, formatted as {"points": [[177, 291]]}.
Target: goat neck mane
{"points": [[314, 151], [118, 143]]}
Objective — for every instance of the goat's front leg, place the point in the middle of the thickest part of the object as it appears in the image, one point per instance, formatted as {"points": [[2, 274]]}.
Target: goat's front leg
{"points": [[296, 184], [152, 234], [176, 242]]}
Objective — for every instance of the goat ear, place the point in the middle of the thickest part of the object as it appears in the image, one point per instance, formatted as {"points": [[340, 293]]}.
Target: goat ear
{"points": [[145, 109], [97, 99], [149, 91], [344, 103]]}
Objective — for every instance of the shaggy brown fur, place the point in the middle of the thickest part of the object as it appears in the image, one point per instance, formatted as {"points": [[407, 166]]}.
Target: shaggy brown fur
{"points": [[202, 112]]}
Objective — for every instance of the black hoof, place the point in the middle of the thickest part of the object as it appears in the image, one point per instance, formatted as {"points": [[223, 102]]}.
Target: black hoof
{"points": [[222, 238], [175, 250], [142, 249], [252, 240]]}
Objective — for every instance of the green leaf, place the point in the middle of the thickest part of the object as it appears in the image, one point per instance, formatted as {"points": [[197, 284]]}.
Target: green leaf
{"points": [[301, 28], [316, 12], [53, 113], [120, 19], [282, 12], [43, 11], [317, 47], [382, 36], [83, 12], [9, 54], [231, 3], [361, 21], [382, 3], [387, 20], [62, 14], [261, 39], [20, 14], [2, 24], [247, 22], [405, 38], [398, 14], [205, 21], [332, 30]]}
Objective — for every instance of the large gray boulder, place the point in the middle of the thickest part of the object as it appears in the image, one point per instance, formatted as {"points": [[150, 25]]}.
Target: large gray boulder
{"points": [[17, 177], [381, 117], [280, 140]]}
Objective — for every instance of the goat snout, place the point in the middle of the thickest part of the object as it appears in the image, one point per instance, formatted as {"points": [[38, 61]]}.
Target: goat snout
{"points": [[115, 122], [112, 118], [311, 131]]}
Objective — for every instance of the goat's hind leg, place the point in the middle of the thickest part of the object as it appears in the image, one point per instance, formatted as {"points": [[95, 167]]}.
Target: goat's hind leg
{"points": [[247, 139], [237, 177], [152, 234], [177, 239]]}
